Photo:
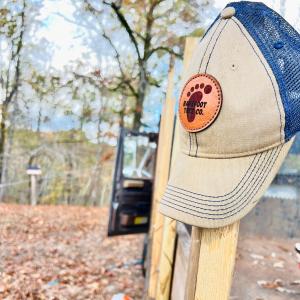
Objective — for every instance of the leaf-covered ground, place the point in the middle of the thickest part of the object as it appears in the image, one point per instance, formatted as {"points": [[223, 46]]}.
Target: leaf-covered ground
{"points": [[60, 252], [266, 269]]}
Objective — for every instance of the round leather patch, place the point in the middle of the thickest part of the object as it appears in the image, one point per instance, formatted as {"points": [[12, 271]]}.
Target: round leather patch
{"points": [[200, 102]]}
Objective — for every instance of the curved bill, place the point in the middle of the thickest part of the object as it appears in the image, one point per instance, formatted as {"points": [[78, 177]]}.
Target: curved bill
{"points": [[212, 193]]}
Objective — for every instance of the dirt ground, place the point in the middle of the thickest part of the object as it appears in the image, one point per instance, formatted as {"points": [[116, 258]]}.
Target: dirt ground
{"points": [[60, 252], [266, 270]]}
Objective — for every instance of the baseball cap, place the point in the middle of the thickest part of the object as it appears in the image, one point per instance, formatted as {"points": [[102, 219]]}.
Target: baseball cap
{"points": [[239, 111]]}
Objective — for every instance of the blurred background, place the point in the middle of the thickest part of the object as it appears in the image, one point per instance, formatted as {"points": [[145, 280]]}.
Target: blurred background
{"points": [[72, 73]]}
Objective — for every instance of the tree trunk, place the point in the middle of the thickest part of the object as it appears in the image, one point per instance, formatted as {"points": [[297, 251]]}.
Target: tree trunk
{"points": [[39, 120], [2, 147], [69, 177], [96, 177], [141, 97], [122, 113], [3, 136], [5, 157], [10, 93]]}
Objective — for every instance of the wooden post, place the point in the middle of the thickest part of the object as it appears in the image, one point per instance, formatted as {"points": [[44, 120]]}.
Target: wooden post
{"points": [[103, 193], [166, 259], [211, 259], [161, 179], [169, 228], [191, 279], [216, 262], [33, 196], [33, 172]]}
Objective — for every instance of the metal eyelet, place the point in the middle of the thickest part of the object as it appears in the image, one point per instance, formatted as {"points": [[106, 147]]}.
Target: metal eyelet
{"points": [[278, 45], [233, 67]]}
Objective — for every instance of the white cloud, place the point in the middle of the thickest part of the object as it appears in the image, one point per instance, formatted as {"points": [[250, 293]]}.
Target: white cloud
{"points": [[65, 36]]}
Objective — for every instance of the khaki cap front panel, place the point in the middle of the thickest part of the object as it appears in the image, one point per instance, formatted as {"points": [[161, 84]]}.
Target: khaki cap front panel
{"points": [[252, 117]]}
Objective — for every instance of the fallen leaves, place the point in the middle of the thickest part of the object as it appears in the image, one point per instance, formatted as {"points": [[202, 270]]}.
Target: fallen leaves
{"points": [[62, 252], [270, 285], [279, 264], [278, 285], [266, 268]]}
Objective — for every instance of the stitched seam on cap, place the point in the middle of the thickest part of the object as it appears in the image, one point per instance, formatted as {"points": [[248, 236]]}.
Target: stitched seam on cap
{"points": [[227, 194], [239, 202], [208, 45], [219, 92], [234, 155], [204, 54], [212, 50], [226, 217], [219, 196], [239, 192], [197, 146], [190, 142]]}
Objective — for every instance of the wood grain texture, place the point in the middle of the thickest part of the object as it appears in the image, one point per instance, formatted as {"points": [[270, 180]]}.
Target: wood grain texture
{"points": [[190, 45], [161, 179], [166, 259], [169, 227], [216, 262], [183, 244], [192, 272]]}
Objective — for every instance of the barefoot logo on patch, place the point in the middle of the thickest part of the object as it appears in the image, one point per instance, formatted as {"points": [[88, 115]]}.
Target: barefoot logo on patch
{"points": [[200, 102]]}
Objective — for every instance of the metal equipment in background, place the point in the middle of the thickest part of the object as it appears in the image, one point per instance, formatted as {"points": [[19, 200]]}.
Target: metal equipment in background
{"points": [[132, 183]]}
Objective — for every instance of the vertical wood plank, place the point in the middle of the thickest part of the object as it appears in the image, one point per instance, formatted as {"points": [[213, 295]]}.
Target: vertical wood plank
{"points": [[190, 45], [169, 227], [161, 179], [192, 272], [216, 262], [166, 259], [183, 245]]}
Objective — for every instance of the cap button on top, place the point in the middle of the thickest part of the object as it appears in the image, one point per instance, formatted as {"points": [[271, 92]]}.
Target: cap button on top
{"points": [[228, 12]]}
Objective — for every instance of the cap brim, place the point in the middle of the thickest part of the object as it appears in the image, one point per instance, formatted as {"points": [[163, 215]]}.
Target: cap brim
{"points": [[213, 193]]}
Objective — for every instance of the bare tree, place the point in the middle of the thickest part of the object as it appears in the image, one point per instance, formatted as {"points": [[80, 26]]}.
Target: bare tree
{"points": [[150, 28], [144, 49], [13, 27]]}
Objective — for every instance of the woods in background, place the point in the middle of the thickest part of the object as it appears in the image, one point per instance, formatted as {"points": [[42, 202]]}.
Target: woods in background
{"points": [[65, 117]]}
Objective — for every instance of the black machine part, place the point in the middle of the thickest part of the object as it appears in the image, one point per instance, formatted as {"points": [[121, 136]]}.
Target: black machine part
{"points": [[132, 183]]}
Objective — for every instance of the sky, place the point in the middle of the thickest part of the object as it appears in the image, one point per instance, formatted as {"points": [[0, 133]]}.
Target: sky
{"points": [[65, 36], [68, 45]]}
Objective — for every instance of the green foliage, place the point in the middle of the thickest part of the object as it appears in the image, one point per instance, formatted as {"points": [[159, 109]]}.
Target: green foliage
{"points": [[55, 192]]}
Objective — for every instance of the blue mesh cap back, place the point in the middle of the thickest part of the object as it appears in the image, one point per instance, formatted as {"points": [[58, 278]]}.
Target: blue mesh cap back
{"points": [[279, 42]]}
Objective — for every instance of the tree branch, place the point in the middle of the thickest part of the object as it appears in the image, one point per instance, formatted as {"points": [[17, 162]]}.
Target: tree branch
{"points": [[127, 27], [117, 55], [166, 49]]}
